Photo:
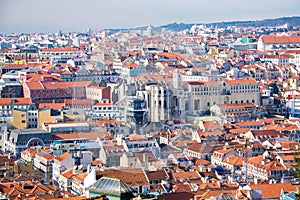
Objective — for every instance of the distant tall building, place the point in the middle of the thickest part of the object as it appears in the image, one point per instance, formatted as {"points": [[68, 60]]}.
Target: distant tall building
{"points": [[149, 31]]}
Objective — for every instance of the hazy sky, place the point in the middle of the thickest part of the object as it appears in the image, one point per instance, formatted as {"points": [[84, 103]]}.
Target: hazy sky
{"points": [[77, 15]]}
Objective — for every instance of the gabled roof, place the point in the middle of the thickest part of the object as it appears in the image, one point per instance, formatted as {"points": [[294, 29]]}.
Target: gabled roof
{"points": [[63, 156], [142, 155], [234, 160], [219, 194], [185, 175], [202, 162], [223, 151], [273, 191], [178, 195], [132, 177], [201, 148], [68, 173], [135, 137], [45, 155], [80, 177], [157, 175], [41, 77], [255, 160]]}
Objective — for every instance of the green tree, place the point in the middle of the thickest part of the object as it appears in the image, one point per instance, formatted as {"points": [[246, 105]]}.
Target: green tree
{"points": [[297, 169]]}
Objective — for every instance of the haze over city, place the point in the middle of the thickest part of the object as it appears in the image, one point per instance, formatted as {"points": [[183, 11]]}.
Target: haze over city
{"points": [[75, 15], [149, 100]]}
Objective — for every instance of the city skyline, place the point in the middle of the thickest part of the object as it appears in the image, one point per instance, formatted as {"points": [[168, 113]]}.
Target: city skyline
{"points": [[42, 16]]}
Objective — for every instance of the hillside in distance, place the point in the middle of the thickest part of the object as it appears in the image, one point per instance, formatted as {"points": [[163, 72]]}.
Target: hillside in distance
{"points": [[292, 21]]}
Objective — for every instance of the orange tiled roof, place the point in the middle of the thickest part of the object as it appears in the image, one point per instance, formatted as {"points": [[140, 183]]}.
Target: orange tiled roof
{"points": [[67, 49], [14, 66], [41, 77], [62, 85], [132, 177], [270, 39], [88, 135], [255, 160], [51, 105], [15, 101], [104, 104], [136, 137], [68, 173], [240, 81], [185, 175], [35, 85], [223, 151], [234, 160], [239, 105], [273, 191], [202, 162], [80, 177], [209, 194], [70, 102], [63, 156], [45, 155]]}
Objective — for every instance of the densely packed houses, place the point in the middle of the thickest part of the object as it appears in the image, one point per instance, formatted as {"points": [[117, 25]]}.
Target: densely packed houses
{"points": [[205, 113]]}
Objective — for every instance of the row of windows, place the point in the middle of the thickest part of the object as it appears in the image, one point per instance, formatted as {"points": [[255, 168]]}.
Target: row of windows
{"points": [[15, 106], [219, 93], [233, 88], [56, 53], [238, 109], [94, 93], [104, 108], [104, 115]]}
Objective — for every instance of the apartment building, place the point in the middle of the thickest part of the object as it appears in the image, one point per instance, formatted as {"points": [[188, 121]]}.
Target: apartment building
{"points": [[271, 42], [7, 105], [196, 97], [98, 93], [105, 110]]}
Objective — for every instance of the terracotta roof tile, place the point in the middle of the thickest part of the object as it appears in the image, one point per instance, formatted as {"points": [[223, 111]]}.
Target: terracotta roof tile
{"points": [[88, 135], [14, 66], [15, 101], [273, 191], [270, 39], [240, 81], [185, 175], [157, 175], [67, 49], [63, 156]]}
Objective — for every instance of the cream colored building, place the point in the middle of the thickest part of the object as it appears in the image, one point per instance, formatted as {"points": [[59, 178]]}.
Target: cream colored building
{"points": [[196, 97], [98, 93], [33, 117]]}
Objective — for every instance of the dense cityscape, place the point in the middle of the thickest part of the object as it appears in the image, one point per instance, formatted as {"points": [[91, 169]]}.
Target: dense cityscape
{"points": [[205, 112]]}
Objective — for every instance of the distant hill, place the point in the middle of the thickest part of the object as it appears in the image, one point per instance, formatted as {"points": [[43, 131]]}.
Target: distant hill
{"points": [[292, 21]]}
